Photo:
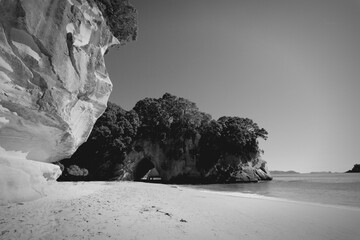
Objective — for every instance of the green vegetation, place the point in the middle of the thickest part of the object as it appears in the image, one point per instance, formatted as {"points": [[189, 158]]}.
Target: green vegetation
{"points": [[228, 136], [169, 117], [121, 16], [239, 135], [169, 121], [107, 145]]}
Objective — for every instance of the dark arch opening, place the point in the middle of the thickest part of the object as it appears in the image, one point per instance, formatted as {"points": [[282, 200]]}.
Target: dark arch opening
{"points": [[142, 168]]}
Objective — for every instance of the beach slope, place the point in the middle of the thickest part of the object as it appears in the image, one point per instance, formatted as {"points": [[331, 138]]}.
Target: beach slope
{"points": [[128, 210]]}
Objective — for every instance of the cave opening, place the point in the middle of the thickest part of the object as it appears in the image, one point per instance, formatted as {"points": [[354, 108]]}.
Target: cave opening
{"points": [[144, 170]]}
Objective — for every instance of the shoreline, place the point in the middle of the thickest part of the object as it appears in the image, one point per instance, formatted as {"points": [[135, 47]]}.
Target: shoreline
{"points": [[277, 199], [134, 210]]}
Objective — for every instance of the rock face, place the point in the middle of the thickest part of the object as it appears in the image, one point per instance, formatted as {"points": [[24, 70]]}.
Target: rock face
{"points": [[183, 168], [53, 87]]}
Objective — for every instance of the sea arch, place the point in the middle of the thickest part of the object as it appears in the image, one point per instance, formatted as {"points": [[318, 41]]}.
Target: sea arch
{"points": [[142, 167]]}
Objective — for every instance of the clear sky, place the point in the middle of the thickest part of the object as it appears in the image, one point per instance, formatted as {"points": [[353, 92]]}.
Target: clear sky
{"points": [[291, 66]]}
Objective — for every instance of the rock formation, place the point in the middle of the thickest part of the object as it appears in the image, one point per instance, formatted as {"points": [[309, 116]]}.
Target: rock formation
{"points": [[53, 87], [173, 136], [183, 169], [355, 169]]}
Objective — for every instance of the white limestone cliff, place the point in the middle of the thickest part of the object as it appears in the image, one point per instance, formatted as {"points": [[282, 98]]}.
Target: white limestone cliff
{"points": [[53, 87]]}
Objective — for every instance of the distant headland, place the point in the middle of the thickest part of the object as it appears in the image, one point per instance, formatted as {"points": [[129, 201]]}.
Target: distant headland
{"points": [[284, 172], [355, 169]]}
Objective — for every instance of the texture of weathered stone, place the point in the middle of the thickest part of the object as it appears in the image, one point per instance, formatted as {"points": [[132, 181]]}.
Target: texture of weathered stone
{"points": [[53, 87], [183, 168]]}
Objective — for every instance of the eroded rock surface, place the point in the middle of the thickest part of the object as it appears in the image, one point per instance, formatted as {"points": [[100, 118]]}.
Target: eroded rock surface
{"points": [[183, 168], [53, 87]]}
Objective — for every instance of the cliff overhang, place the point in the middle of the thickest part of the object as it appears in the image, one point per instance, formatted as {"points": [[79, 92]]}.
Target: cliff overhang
{"points": [[53, 87]]}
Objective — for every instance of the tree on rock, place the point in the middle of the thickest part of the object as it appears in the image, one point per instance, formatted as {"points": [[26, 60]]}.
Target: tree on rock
{"points": [[121, 17], [169, 117], [240, 135], [212, 150], [108, 143]]}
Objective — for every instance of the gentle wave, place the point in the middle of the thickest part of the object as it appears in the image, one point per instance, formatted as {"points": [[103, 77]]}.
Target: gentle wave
{"points": [[324, 189], [262, 197]]}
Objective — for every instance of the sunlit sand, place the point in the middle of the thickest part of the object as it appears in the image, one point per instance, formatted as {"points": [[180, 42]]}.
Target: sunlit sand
{"points": [[128, 210]]}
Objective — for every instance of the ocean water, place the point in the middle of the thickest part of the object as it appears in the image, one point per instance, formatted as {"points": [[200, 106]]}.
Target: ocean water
{"points": [[325, 188]]}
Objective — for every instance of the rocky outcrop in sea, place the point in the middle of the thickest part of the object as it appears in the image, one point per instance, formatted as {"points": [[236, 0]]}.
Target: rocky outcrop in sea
{"points": [[184, 168], [355, 169]]}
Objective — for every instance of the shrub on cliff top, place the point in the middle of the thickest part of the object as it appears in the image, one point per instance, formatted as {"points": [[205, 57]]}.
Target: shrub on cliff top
{"points": [[239, 135], [169, 117], [121, 17], [228, 136]]}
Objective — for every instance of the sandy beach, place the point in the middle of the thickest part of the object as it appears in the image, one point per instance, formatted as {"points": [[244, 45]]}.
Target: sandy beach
{"points": [[130, 210]]}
